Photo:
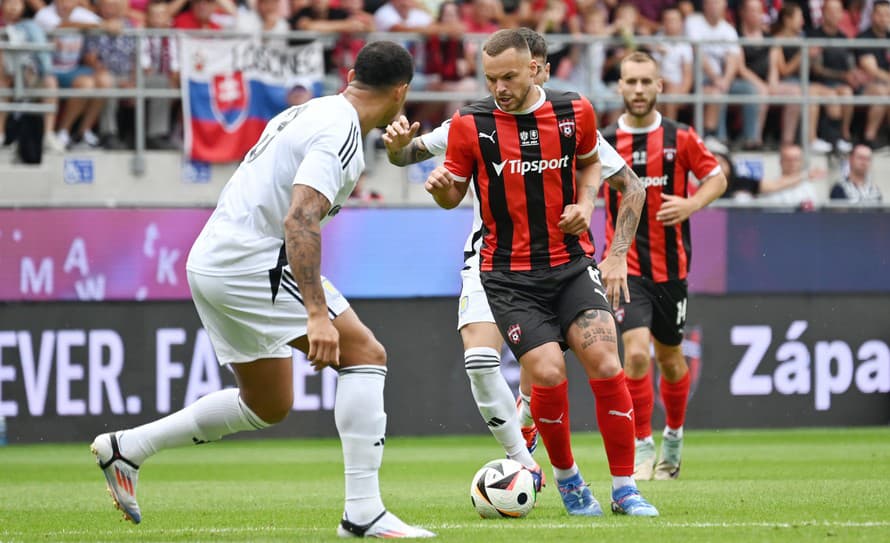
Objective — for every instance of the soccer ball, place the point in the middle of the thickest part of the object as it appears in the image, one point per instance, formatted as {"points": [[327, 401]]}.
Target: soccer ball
{"points": [[503, 488]]}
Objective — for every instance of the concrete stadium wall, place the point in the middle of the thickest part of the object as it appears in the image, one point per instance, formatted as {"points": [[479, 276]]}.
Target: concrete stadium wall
{"points": [[105, 178]]}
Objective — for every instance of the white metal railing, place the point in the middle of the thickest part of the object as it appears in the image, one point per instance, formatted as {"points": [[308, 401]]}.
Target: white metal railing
{"points": [[21, 96]]}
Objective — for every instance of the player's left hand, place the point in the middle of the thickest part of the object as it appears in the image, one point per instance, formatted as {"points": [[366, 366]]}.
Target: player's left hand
{"points": [[575, 219], [674, 209], [399, 134], [613, 271]]}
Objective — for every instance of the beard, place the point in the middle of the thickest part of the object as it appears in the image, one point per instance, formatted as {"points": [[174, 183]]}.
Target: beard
{"points": [[639, 110], [517, 103]]}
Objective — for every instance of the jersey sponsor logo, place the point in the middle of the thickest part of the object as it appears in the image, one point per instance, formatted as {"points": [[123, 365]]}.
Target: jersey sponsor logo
{"points": [[528, 138], [514, 334], [488, 136], [567, 127], [654, 181], [523, 167]]}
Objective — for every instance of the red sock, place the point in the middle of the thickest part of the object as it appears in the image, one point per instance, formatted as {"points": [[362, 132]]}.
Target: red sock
{"points": [[643, 395], [614, 416], [674, 396], [548, 405]]}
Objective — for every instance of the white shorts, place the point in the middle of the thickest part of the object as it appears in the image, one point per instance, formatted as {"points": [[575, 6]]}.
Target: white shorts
{"points": [[243, 321], [473, 305]]}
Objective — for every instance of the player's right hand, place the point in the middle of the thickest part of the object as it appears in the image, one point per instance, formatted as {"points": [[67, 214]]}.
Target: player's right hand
{"points": [[399, 134], [324, 343], [439, 181]]}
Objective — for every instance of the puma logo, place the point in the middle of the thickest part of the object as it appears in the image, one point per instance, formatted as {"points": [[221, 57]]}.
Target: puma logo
{"points": [[621, 414], [490, 137], [551, 421]]}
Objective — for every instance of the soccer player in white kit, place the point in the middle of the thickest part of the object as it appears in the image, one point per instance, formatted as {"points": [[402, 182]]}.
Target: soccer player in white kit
{"points": [[481, 338], [254, 273]]}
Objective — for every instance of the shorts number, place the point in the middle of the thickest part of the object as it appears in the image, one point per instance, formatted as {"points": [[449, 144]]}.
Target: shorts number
{"points": [[595, 275], [681, 312]]}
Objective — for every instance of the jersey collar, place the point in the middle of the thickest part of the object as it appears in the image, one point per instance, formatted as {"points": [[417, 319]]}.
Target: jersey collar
{"points": [[644, 130]]}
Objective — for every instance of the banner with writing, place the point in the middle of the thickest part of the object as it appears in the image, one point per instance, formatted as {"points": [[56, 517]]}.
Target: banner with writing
{"points": [[232, 87]]}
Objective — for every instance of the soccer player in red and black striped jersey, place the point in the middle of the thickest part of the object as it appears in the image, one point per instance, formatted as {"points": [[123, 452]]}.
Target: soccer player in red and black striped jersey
{"points": [[662, 152], [522, 147]]}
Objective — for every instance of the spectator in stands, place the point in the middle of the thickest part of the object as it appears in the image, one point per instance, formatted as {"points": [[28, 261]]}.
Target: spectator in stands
{"points": [[624, 29], [113, 59], [651, 14], [875, 62], [756, 68], [449, 66], [834, 67], [264, 19], [721, 64], [674, 60], [740, 185], [347, 20], [160, 61], [794, 186], [70, 70], [482, 16], [199, 15], [401, 16], [37, 67], [785, 66], [404, 16], [856, 187]]}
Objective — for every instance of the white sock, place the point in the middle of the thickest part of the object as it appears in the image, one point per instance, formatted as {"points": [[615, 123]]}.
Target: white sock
{"points": [[213, 416], [361, 423], [673, 433], [525, 410], [563, 474], [647, 439], [495, 401], [618, 482]]}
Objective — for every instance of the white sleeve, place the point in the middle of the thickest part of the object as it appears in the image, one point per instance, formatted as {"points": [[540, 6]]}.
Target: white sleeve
{"points": [[609, 158], [321, 170], [436, 142]]}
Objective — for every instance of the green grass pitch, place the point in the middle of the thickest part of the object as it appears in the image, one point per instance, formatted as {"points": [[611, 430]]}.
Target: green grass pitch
{"points": [[828, 485]]}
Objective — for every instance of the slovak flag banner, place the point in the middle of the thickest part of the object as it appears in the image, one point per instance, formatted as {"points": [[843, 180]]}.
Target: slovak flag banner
{"points": [[232, 87]]}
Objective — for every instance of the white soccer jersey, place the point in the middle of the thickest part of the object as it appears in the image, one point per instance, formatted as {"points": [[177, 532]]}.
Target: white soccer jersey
{"points": [[436, 142], [318, 144]]}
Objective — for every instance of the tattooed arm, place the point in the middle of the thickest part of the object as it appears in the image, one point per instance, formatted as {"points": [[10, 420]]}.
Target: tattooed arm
{"points": [[402, 146], [302, 238], [614, 267]]}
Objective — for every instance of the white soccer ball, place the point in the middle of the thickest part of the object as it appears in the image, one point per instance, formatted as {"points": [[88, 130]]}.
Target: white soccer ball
{"points": [[503, 488]]}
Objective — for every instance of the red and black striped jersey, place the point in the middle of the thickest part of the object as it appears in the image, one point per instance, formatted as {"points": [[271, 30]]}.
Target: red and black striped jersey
{"points": [[662, 156], [523, 170]]}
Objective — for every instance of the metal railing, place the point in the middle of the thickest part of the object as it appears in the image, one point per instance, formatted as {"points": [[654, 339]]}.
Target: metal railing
{"points": [[698, 99]]}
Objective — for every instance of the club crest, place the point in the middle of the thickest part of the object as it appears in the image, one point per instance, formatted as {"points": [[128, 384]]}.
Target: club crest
{"points": [[229, 97], [567, 127], [514, 334]]}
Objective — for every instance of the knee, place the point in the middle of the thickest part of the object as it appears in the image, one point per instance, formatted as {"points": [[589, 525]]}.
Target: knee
{"points": [[636, 361], [270, 410]]}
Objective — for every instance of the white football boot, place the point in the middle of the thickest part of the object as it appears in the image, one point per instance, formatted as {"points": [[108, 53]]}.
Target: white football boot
{"points": [[121, 475], [386, 525]]}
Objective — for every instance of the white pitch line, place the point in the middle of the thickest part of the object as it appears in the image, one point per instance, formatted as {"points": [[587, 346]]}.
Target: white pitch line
{"points": [[144, 531]]}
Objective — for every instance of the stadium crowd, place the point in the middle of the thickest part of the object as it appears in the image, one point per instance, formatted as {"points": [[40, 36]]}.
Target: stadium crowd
{"points": [[446, 60]]}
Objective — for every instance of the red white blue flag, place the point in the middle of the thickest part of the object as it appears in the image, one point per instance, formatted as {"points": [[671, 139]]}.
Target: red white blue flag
{"points": [[232, 87]]}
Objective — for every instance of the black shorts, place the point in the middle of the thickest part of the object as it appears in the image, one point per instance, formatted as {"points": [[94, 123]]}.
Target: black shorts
{"points": [[532, 308], [660, 307]]}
